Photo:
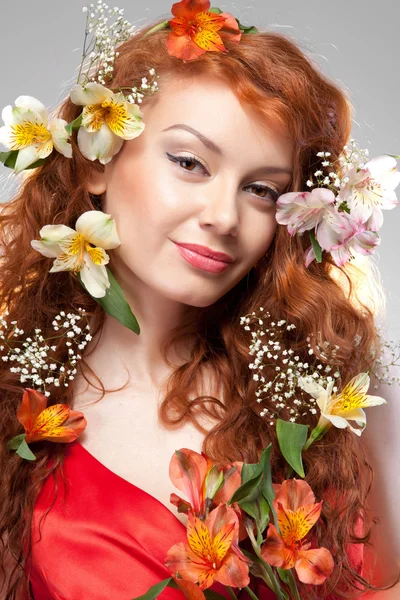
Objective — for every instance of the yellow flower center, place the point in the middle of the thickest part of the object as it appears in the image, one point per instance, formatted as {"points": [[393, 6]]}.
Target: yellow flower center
{"points": [[28, 133], [110, 112], [350, 398]]}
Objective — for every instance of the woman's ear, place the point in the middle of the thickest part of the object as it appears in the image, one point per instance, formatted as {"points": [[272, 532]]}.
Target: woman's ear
{"points": [[96, 183]]}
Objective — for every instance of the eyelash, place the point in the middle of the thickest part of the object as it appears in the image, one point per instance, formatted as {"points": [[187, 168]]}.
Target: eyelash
{"points": [[178, 159]]}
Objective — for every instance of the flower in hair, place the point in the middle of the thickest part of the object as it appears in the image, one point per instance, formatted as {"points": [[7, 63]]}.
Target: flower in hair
{"points": [[370, 189], [28, 134], [107, 119], [343, 212], [81, 249], [56, 423], [339, 409], [196, 29]]}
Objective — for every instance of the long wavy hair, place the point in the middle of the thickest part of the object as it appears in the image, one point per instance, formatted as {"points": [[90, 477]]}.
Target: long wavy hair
{"points": [[269, 72]]}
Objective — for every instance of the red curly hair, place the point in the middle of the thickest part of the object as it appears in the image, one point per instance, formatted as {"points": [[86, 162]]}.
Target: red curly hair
{"points": [[267, 71]]}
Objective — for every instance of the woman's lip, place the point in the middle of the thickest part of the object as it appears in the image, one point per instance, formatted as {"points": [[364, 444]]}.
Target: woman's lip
{"points": [[208, 252], [206, 263]]}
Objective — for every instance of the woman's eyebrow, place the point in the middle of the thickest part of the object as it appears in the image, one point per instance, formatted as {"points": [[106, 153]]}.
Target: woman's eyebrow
{"points": [[215, 148]]}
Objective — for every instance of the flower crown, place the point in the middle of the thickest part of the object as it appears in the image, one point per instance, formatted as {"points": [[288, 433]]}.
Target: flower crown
{"points": [[343, 210]]}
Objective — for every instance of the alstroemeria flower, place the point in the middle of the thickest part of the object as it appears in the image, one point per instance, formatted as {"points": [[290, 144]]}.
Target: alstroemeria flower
{"points": [[339, 409], [57, 423], [371, 189], [81, 249], [212, 553], [338, 234], [107, 120], [195, 30], [302, 211], [27, 130], [196, 476], [297, 513]]}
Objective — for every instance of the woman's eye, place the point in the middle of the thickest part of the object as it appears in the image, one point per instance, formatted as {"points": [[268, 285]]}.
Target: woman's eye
{"points": [[188, 163], [264, 191]]}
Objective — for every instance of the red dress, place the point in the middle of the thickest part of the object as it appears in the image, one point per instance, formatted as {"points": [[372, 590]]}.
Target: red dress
{"points": [[103, 538]]}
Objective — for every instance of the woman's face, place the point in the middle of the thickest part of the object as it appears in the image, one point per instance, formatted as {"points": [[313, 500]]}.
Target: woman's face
{"points": [[205, 171]]}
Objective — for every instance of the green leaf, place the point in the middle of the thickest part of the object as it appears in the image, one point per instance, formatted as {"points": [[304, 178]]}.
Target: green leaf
{"points": [[156, 589], [215, 10], [291, 438], [75, 124], [9, 158], [24, 451], [394, 156], [115, 304], [15, 442], [248, 29], [36, 164], [248, 492], [283, 574], [315, 246], [258, 510]]}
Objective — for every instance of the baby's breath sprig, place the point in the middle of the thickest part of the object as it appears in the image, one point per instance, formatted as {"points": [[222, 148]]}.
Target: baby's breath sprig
{"points": [[334, 173], [386, 362], [105, 29], [33, 358], [269, 347]]}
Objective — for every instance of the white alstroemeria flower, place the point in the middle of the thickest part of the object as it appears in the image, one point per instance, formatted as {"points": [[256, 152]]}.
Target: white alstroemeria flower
{"points": [[27, 130], [371, 189], [339, 409], [107, 120], [81, 249]]}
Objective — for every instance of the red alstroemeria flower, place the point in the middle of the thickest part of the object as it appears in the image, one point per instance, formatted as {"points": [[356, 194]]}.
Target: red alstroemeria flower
{"points": [[297, 513], [57, 423], [196, 476], [212, 553], [195, 30]]}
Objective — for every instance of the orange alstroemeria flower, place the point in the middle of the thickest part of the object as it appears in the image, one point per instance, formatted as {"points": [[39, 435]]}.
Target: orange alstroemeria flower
{"points": [[297, 513], [212, 553], [195, 475], [195, 30], [57, 423]]}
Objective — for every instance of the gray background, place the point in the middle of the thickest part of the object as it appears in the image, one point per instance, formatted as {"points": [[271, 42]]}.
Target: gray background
{"points": [[355, 42]]}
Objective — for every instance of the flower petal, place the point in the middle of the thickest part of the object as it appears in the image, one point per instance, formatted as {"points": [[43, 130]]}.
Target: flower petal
{"points": [[123, 121], [51, 250], [55, 233], [310, 386], [92, 93], [61, 139], [233, 572], [183, 47], [95, 279], [314, 566], [99, 229], [47, 421], [33, 403], [26, 103], [274, 551], [187, 471], [102, 145], [189, 8], [294, 493], [29, 155]]}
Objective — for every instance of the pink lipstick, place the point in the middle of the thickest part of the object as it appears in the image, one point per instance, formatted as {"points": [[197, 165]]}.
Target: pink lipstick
{"points": [[204, 258]]}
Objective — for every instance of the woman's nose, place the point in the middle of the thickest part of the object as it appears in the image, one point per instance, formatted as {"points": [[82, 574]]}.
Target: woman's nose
{"points": [[220, 208]]}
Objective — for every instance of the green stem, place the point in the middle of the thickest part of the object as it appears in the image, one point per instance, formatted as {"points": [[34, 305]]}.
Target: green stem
{"points": [[231, 592], [317, 433], [250, 593], [270, 578], [157, 27]]}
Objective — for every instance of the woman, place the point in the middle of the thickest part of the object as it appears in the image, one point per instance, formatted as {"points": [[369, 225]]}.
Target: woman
{"points": [[226, 135]]}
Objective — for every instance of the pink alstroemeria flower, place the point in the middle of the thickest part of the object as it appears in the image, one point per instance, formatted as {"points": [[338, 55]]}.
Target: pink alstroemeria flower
{"points": [[338, 234], [303, 211], [371, 190], [199, 479]]}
